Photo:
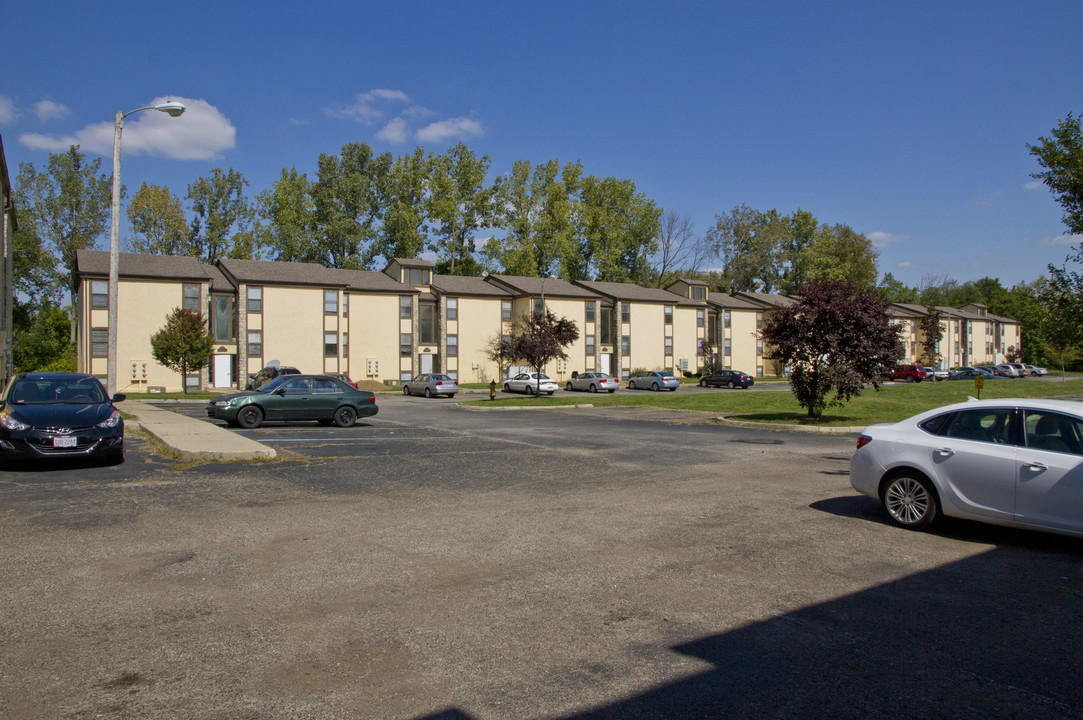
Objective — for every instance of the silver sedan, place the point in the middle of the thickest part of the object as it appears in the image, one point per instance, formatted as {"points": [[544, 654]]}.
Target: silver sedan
{"points": [[430, 384], [592, 382]]}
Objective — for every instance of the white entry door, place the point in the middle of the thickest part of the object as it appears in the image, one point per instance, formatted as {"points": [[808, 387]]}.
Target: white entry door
{"points": [[603, 364], [223, 371], [426, 363]]}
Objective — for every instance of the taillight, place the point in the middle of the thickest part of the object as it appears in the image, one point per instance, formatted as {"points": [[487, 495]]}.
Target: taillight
{"points": [[862, 441], [372, 399], [439, 383]]}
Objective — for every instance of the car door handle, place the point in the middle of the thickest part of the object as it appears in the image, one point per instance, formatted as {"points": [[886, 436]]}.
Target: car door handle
{"points": [[1035, 466], [945, 452]]}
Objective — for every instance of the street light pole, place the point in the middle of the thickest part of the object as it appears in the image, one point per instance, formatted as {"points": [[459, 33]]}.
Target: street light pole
{"points": [[173, 109]]}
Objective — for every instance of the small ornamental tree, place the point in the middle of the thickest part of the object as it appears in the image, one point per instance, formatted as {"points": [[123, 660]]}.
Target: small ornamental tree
{"points": [[539, 338], [834, 340], [183, 345], [500, 350]]}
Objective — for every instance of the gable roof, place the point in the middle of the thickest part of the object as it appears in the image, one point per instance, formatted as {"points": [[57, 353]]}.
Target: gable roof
{"points": [[520, 285], [635, 293], [259, 272], [466, 285], [172, 267]]}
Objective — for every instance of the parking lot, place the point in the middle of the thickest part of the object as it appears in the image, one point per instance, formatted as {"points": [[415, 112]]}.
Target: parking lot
{"points": [[438, 562]]}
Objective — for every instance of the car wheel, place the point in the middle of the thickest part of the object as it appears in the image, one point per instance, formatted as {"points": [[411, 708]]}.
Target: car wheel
{"points": [[250, 417], [730, 385], [549, 393], [568, 386], [654, 387], [631, 386], [428, 393], [529, 389], [703, 383], [405, 389], [593, 388], [910, 378], [345, 416], [910, 501], [507, 388], [612, 391]]}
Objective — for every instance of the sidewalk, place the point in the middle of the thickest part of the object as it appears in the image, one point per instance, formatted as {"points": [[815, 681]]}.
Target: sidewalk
{"points": [[191, 438]]}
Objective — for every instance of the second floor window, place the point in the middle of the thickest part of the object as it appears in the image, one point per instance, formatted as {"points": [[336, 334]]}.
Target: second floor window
{"points": [[330, 302], [699, 318], [99, 293], [452, 308], [590, 310], [406, 306], [590, 345], [669, 314], [505, 310], [625, 312], [99, 342], [255, 343], [669, 346], [330, 344], [452, 345], [191, 297], [625, 345], [406, 345], [726, 318]]}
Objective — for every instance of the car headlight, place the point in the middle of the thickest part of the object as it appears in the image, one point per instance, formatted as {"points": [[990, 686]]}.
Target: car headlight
{"points": [[11, 423], [112, 421]]}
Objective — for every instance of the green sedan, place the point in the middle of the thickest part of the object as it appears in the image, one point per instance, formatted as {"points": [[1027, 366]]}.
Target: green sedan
{"points": [[295, 397]]}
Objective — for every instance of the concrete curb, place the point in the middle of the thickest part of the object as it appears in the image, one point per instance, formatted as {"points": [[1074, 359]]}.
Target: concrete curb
{"points": [[511, 408], [193, 439], [782, 426]]}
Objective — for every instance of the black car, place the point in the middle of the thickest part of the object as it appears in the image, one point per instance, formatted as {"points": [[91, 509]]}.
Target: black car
{"points": [[269, 373], [59, 415], [727, 378]]}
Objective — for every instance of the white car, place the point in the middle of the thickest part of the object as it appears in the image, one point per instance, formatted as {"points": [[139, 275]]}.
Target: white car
{"points": [[1035, 370], [530, 383], [592, 382], [1016, 462], [1008, 370], [934, 374]]}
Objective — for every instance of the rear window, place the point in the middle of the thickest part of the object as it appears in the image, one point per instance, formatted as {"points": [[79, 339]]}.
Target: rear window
{"points": [[937, 425]]}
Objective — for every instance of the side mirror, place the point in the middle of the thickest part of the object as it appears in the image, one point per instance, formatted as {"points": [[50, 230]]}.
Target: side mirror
{"points": [[119, 397], [280, 391]]}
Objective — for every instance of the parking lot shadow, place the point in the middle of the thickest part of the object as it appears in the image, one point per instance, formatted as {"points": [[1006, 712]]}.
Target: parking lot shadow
{"points": [[994, 635]]}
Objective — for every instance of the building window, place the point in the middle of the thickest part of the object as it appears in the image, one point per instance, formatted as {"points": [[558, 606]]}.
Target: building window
{"points": [[726, 318], [759, 371], [345, 304], [700, 350], [453, 308], [590, 310], [99, 342], [345, 345], [699, 293], [759, 347], [625, 345], [406, 376], [452, 345], [759, 321], [255, 343], [726, 347], [606, 330], [330, 302], [669, 314], [99, 293], [625, 312], [699, 317], [330, 344], [191, 297], [224, 318], [505, 310], [590, 345], [406, 344], [539, 306], [426, 323], [418, 276], [669, 346], [255, 299], [406, 306]]}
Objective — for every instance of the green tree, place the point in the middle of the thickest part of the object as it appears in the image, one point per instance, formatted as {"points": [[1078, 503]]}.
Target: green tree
{"points": [[747, 243], [67, 206], [539, 338], [932, 332], [222, 223], [287, 211], [835, 339], [839, 253], [42, 341], [1061, 155], [404, 230], [461, 203], [1062, 326], [156, 215], [617, 230], [183, 344], [348, 205], [896, 291]]}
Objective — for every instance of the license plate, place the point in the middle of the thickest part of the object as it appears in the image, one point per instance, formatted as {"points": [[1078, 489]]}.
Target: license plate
{"points": [[63, 441]]}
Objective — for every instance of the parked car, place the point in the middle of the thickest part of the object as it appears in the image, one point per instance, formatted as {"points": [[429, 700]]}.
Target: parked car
{"points": [[530, 383], [1035, 370], [343, 377], [727, 378], [1020, 369], [909, 373], [934, 374], [592, 382], [653, 380], [1007, 370], [60, 415], [1007, 462], [269, 373], [970, 373], [295, 397], [429, 384]]}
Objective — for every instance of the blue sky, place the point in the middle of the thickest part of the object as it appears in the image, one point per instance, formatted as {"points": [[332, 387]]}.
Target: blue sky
{"points": [[907, 121]]}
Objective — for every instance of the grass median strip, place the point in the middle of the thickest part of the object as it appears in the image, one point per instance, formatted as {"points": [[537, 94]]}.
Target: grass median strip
{"points": [[890, 403]]}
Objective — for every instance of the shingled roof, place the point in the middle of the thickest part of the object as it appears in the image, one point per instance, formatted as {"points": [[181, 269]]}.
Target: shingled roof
{"points": [[467, 285], [174, 267], [635, 293], [521, 285]]}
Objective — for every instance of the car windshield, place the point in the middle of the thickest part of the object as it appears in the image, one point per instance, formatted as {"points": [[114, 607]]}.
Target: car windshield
{"points": [[540, 376], [75, 391]]}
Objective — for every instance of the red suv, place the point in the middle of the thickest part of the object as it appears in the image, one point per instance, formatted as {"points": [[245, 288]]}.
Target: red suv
{"points": [[909, 373]]}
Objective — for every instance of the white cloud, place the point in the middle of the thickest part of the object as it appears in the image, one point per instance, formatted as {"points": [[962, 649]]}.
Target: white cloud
{"points": [[394, 132], [882, 239], [450, 128], [1034, 185], [907, 264], [201, 133], [1062, 240], [7, 110], [47, 110], [368, 108]]}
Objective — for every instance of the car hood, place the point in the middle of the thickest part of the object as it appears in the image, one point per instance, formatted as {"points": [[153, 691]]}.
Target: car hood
{"points": [[233, 396], [71, 416]]}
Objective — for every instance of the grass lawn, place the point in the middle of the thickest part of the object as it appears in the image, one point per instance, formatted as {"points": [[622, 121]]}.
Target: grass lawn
{"points": [[890, 404]]}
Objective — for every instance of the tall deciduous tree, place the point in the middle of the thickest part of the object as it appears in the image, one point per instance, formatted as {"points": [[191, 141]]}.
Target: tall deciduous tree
{"points": [[618, 227], [67, 205], [461, 203], [404, 231], [222, 226], [1061, 155], [680, 250], [348, 205], [747, 243], [183, 345], [156, 215], [287, 211], [839, 253], [834, 339]]}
